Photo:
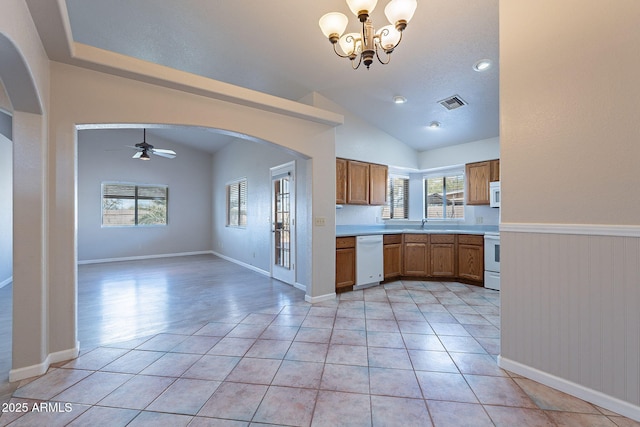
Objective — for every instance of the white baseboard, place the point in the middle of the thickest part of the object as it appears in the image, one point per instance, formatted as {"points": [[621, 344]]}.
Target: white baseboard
{"points": [[320, 298], [598, 398], [6, 282], [242, 264], [300, 286], [141, 257], [41, 368]]}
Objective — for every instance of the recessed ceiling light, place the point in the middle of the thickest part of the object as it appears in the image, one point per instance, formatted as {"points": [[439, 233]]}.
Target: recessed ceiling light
{"points": [[434, 125], [482, 65], [398, 99]]}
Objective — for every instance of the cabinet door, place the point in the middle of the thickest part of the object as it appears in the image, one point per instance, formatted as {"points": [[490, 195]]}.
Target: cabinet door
{"points": [[478, 183], [471, 262], [357, 183], [341, 181], [443, 260], [392, 260], [345, 267], [378, 181], [495, 170], [415, 257]]}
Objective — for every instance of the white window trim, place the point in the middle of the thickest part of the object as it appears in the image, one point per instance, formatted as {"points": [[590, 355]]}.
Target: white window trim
{"points": [[137, 184]]}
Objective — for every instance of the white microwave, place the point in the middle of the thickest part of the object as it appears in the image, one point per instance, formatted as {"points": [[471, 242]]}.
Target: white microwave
{"points": [[494, 194]]}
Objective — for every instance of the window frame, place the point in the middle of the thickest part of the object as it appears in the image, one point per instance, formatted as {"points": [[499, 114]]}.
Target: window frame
{"points": [[443, 173], [240, 182], [136, 197], [390, 198]]}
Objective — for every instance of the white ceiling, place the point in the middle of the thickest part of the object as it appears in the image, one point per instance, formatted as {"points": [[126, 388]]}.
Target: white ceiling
{"points": [[276, 47]]}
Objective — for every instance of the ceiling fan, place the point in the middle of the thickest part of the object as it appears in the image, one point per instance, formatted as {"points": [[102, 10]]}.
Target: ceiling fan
{"points": [[144, 149]]}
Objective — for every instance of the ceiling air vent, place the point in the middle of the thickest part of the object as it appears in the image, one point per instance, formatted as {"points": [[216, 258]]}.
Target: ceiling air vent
{"points": [[452, 102]]}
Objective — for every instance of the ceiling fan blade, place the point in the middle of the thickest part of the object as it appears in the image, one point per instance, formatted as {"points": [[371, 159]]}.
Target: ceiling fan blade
{"points": [[160, 150], [132, 146], [137, 155], [162, 154]]}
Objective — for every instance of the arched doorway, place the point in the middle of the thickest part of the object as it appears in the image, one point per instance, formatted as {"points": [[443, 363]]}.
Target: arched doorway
{"points": [[21, 124]]}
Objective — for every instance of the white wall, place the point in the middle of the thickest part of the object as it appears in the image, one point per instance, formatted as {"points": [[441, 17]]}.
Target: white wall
{"points": [[569, 100], [103, 156], [250, 160], [476, 151], [6, 213], [358, 140]]}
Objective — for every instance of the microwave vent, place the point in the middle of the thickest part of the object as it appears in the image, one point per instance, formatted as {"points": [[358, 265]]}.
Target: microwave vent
{"points": [[452, 102]]}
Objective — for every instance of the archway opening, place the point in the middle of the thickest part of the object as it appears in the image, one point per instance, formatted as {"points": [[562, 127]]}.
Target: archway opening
{"points": [[196, 180]]}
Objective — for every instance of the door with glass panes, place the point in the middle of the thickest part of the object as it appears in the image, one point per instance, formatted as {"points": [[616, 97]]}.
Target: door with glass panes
{"points": [[283, 196]]}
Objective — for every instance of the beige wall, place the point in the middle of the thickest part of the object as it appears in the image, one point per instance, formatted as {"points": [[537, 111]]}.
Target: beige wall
{"points": [[569, 99], [569, 111]]}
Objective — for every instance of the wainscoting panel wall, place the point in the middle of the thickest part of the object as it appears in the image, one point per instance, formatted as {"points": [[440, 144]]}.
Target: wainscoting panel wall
{"points": [[571, 310]]}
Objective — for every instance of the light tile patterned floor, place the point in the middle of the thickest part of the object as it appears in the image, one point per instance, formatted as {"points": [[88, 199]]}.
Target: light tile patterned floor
{"points": [[403, 354]]}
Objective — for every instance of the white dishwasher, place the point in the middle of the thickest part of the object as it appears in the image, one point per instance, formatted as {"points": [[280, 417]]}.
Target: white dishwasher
{"points": [[369, 261]]}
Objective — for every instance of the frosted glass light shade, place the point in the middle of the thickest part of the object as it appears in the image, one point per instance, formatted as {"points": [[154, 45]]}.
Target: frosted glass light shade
{"points": [[400, 10], [389, 37], [350, 43], [358, 5], [333, 23]]}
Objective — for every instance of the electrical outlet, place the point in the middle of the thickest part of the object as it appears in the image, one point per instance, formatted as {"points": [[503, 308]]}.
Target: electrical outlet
{"points": [[479, 220], [320, 221]]}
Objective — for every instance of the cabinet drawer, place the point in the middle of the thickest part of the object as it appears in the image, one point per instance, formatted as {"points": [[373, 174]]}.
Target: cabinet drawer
{"points": [[345, 242], [418, 238], [392, 238], [471, 239], [443, 238]]}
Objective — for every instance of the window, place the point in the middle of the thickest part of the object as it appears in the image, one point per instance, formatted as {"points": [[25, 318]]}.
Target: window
{"points": [[444, 195], [237, 203], [131, 205], [397, 206]]}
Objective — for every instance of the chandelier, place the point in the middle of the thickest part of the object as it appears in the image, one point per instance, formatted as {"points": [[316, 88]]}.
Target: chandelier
{"points": [[368, 43]]}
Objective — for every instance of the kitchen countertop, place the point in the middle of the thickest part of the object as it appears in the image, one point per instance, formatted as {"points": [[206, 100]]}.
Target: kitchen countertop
{"points": [[364, 230]]}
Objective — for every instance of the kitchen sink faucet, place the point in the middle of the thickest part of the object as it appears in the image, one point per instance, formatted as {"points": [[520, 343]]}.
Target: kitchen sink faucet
{"points": [[424, 220]]}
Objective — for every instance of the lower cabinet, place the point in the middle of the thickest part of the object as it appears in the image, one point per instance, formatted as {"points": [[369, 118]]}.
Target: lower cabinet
{"points": [[392, 251], [345, 263], [443, 255], [471, 257], [415, 254]]}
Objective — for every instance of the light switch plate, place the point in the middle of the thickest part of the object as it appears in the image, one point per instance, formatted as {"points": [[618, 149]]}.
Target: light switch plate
{"points": [[320, 221]]}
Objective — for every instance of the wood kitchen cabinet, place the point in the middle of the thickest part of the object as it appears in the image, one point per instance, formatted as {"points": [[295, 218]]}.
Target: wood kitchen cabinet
{"points": [[415, 255], [494, 170], [357, 183], [378, 181], [392, 252], [478, 175], [345, 263], [341, 181], [443, 255], [471, 257], [361, 183]]}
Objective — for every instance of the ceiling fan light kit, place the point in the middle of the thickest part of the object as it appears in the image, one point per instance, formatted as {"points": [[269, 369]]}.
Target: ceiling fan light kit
{"points": [[144, 149], [368, 43]]}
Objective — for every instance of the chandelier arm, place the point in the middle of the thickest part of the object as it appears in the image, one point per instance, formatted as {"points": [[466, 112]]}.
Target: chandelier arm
{"points": [[380, 59], [359, 62], [338, 53]]}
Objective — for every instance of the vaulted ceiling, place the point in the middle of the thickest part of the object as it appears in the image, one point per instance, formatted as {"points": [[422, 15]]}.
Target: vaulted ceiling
{"points": [[277, 47]]}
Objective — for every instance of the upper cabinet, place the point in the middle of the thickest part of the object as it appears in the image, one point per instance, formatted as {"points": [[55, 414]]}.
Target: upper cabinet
{"points": [[361, 183], [341, 181], [357, 183], [495, 170], [378, 181], [479, 175]]}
